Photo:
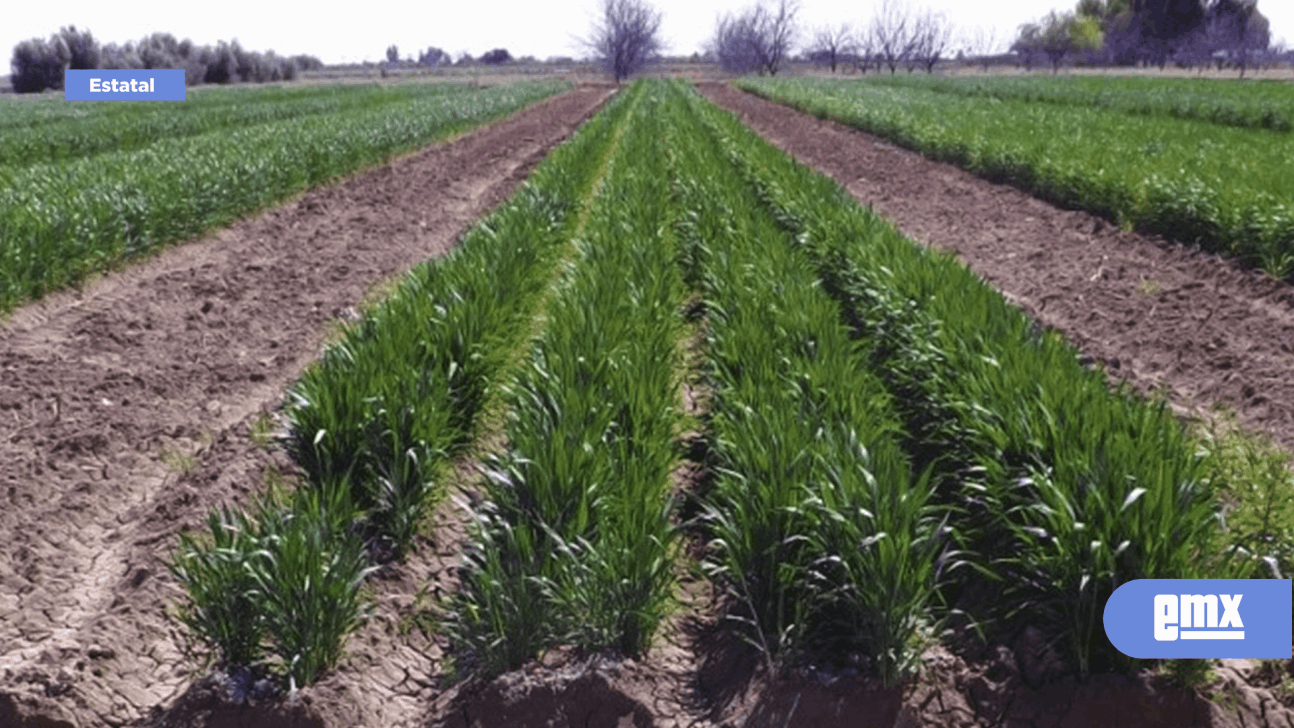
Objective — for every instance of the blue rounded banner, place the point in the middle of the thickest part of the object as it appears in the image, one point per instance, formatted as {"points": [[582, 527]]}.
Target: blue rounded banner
{"points": [[155, 84], [1201, 618]]}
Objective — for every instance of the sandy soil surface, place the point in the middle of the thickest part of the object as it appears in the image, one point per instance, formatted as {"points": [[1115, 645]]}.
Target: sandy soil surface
{"points": [[131, 407], [1156, 314], [126, 408]]}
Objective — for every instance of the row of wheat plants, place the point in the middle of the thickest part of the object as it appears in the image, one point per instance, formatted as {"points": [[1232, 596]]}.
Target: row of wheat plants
{"points": [[401, 391], [278, 585], [1061, 488], [90, 127], [820, 531], [1226, 189], [573, 544], [1254, 105], [62, 220]]}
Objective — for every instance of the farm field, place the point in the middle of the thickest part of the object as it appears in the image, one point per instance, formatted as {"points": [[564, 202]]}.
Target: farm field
{"points": [[670, 317], [1196, 180], [93, 185], [1158, 316], [128, 406]]}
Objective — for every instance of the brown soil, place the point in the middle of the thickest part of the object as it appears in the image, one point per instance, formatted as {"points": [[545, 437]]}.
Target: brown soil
{"points": [[131, 407], [1158, 315]]}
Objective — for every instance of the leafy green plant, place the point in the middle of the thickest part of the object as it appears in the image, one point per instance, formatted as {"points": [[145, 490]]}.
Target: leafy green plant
{"points": [[261, 430], [222, 612], [1189, 674], [282, 579], [179, 461], [307, 577], [1257, 519]]}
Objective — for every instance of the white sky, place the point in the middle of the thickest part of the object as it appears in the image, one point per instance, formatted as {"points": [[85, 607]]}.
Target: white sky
{"points": [[353, 32]]}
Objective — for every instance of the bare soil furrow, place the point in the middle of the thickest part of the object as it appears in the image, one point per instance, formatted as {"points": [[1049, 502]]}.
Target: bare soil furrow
{"points": [[127, 407]]}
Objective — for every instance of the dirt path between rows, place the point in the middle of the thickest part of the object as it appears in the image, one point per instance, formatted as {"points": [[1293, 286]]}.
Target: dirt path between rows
{"points": [[1156, 314], [127, 408]]}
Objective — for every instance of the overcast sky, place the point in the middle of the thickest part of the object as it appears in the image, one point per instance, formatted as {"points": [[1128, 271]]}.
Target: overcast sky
{"points": [[362, 31]]}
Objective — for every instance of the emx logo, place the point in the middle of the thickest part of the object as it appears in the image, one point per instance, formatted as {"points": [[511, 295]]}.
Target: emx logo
{"points": [[1198, 610], [1161, 618]]}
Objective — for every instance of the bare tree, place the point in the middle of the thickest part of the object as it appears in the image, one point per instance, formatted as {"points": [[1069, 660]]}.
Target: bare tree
{"points": [[782, 34], [758, 40], [865, 50], [736, 42], [931, 36], [982, 44], [1275, 53], [627, 38], [832, 44], [891, 34]]}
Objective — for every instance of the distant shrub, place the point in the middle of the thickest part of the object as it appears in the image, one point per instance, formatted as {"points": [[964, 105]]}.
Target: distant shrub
{"points": [[434, 56], [115, 57], [82, 48], [305, 62], [219, 62], [162, 50], [496, 56], [38, 65]]}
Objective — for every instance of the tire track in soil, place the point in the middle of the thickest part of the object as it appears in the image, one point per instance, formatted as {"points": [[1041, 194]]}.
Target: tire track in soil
{"points": [[126, 407], [1153, 312]]}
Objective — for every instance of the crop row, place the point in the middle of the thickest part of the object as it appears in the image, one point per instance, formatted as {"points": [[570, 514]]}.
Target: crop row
{"points": [[129, 125], [61, 221], [1055, 487], [818, 527], [1224, 189], [1255, 105], [574, 544], [372, 424]]}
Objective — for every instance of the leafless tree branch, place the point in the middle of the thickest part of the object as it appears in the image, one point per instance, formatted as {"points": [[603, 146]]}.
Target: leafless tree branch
{"points": [[627, 37], [758, 40], [832, 45]]}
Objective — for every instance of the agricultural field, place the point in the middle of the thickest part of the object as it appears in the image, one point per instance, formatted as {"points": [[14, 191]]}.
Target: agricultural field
{"points": [[673, 432], [1199, 166], [1265, 105], [95, 185]]}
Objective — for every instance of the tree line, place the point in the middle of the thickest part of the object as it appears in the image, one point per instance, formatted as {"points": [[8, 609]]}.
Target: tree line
{"points": [[38, 64], [1097, 32], [760, 39], [1151, 32], [434, 57]]}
